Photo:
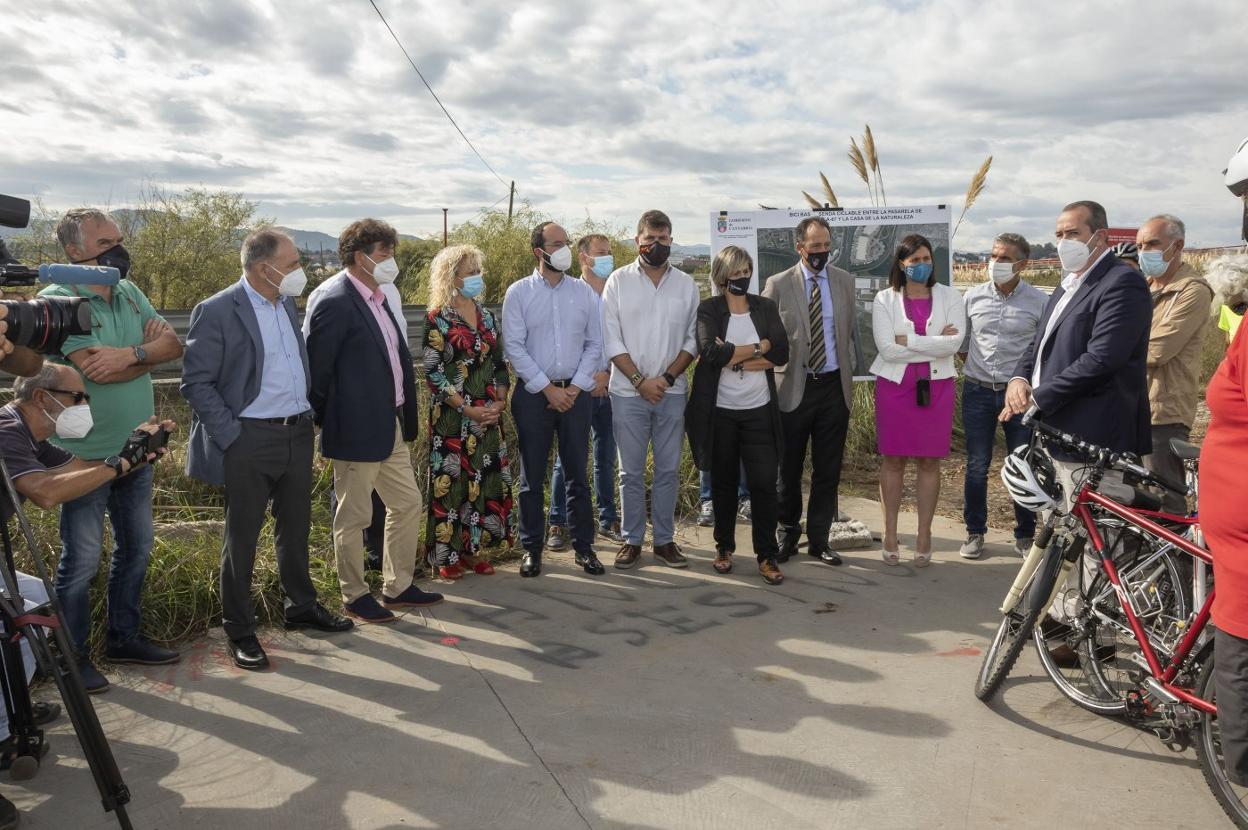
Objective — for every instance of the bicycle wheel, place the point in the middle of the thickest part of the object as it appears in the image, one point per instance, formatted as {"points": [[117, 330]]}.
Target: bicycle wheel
{"points": [[1001, 655], [1232, 797], [1110, 659], [1017, 625]]}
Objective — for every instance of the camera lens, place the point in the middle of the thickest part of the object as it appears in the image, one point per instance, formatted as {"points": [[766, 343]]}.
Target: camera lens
{"points": [[45, 323]]}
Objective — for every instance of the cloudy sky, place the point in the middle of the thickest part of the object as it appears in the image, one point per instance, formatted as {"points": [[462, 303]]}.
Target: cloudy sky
{"points": [[607, 109]]}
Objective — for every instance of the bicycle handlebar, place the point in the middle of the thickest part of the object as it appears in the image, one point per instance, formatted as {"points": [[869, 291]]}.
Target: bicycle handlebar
{"points": [[1099, 456]]}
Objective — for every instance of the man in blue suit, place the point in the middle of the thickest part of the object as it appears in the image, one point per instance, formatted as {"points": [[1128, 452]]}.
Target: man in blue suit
{"points": [[363, 392], [245, 375], [1086, 366]]}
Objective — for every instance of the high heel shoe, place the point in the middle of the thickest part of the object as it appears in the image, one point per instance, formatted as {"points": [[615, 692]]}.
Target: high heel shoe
{"points": [[891, 557]]}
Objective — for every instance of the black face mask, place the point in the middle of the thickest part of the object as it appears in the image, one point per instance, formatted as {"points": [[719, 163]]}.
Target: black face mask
{"points": [[740, 287], [817, 260], [655, 254], [115, 257]]}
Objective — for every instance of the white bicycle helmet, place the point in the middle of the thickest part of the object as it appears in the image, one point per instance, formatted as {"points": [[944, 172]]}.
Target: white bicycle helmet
{"points": [[1031, 480], [1237, 171]]}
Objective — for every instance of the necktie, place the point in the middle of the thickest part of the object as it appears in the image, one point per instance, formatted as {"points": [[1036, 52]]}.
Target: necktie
{"points": [[818, 349]]}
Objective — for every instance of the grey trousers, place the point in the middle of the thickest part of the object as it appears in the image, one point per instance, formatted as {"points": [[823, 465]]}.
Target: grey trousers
{"points": [[267, 462], [1165, 463], [639, 426]]}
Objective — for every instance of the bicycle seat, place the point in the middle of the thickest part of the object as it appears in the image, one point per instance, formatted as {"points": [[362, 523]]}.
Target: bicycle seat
{"points": [[1183, 450]]}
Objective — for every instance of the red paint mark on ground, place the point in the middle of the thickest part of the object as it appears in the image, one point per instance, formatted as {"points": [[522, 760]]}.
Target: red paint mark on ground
{"points": [[969, 651], [450, 641]]}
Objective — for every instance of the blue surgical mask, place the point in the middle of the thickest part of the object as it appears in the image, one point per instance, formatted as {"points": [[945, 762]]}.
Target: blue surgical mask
{"points": [[604, 265], [474, 284], [922, 272], [1153, 263]]}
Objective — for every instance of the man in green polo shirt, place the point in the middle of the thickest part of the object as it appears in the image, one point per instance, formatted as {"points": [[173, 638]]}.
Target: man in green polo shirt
{"points": [[127, 340]]}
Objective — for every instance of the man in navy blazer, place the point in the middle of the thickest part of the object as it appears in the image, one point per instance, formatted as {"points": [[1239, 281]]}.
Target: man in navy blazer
{"points": [[363, 393], [245, 375], [1085, 369]]}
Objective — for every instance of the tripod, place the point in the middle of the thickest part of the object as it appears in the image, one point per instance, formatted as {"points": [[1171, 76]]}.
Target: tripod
{"points": [[35, 626]]}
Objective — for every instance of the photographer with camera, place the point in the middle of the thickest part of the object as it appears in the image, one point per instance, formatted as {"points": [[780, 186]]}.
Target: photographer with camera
{"points": [[127, 339]]}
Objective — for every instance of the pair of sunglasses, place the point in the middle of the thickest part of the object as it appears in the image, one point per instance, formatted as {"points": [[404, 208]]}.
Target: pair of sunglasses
{"points": [[79, 397]]}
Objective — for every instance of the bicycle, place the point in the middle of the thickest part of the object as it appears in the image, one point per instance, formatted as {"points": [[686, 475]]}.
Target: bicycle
{"points": [[1167, 682]]}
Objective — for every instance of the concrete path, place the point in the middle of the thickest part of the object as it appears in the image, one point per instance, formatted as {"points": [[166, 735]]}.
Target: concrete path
{"points": [[644, 699]]}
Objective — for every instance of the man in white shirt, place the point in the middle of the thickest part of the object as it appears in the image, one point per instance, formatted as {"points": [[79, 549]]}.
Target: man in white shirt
{"points": [[649, 310]]}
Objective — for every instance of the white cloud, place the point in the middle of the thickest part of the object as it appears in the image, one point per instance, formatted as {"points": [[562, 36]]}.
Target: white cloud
{"points": [[610, 109]]}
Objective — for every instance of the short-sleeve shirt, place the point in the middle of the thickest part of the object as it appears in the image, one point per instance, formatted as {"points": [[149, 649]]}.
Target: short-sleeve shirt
{"points": [[22, 454], [116, 408]]}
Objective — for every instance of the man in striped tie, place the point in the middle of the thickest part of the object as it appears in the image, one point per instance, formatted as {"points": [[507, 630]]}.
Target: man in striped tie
{"points": [[816, 301]]}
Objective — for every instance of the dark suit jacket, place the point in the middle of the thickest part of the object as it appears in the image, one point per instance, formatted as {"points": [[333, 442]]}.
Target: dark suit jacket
{"points": [[352, 387], [221, 372], [1093, 380], [712, 323]]}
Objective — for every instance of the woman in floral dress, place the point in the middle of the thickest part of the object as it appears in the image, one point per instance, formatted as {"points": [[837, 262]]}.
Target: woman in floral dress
{"points": [[469, 467]]}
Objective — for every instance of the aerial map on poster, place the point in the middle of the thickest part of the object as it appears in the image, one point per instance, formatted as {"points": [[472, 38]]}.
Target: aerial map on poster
{"points": [[863, 243]]}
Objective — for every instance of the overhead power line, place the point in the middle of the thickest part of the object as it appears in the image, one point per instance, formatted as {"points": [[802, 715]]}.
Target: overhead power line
{"points": [[435, 95]]}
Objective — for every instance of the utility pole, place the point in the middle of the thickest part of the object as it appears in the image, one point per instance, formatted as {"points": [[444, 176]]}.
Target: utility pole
{"points": [[444, 210], [511, 199]]}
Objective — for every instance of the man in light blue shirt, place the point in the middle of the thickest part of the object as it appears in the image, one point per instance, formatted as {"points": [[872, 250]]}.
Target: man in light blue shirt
{"points": [[552, 333], [245, 375]]}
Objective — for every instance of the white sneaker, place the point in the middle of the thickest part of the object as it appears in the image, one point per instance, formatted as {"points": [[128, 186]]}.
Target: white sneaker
{"points": [[973, 547], [706, 515]]}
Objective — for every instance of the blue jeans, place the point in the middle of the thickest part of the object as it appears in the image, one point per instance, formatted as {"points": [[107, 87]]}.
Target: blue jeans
{"points": [[602, 443], [704, 486], [980, 408], [128, 502]]}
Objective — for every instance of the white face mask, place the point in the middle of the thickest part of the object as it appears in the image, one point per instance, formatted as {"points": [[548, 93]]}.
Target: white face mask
{"points": [[1000, 271], [1074, 254], [385, 271], [73, 422], [560, 260], [292, 284]]}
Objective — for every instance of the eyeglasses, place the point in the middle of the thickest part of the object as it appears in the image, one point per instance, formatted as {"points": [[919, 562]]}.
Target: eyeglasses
{"points": [[79, 397]]}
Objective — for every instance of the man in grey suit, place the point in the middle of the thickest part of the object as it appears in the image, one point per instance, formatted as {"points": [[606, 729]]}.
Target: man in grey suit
{"points": [[245, 375], [816, 388]]}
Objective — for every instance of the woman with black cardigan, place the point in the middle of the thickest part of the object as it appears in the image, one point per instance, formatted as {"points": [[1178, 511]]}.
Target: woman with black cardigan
{"points": [[732, 418]]}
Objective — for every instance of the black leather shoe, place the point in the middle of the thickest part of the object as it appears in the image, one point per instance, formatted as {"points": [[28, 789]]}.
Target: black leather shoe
{"points": [[321, 619], [589, 561], [531, 565], [247, 654], [788, 549], [827, 556]]}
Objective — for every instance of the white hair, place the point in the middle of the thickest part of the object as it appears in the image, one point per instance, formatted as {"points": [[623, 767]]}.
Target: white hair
{"points": [[1228, 277], [1175, 229]]}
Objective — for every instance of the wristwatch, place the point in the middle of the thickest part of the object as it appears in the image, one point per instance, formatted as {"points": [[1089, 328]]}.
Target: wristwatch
{"points": [[140, 354], [757, 352], [671, 381], [114, 463], [636, 379], [463, 404]]}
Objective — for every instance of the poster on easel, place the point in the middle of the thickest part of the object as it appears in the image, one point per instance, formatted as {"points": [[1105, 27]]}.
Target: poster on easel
{"points": [[864, 241]]}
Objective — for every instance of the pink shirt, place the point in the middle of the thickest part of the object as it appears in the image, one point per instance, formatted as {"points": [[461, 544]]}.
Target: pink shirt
{"points": [[376, 303]]}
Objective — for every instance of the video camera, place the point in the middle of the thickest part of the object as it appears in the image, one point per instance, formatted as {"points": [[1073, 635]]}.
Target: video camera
{"points": [[43, 324]]}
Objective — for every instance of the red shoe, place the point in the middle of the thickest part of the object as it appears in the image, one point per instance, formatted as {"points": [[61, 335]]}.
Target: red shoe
{"points": [[482, 567], [451, 572]]}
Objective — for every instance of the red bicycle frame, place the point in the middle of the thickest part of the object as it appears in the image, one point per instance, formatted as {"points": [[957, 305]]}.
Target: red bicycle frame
{"points": [[1163, 674]]}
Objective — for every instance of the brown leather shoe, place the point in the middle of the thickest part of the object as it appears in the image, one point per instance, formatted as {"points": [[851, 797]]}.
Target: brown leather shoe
{"points": [[670, 555], [771, 573], [628, 556]]}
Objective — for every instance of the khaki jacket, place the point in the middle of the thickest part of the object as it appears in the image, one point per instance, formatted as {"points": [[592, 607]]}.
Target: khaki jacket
{"points": [[1180, 319]]}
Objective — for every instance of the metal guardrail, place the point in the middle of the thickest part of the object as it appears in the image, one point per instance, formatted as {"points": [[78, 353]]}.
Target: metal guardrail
{"points": [[413, 315]]}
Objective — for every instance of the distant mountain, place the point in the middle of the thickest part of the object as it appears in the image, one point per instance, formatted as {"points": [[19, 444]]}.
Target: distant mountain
{"points": [[311, 240]]}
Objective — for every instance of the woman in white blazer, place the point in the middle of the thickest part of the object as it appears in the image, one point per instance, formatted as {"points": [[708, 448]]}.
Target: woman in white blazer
{"points": [[918, 325]]}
